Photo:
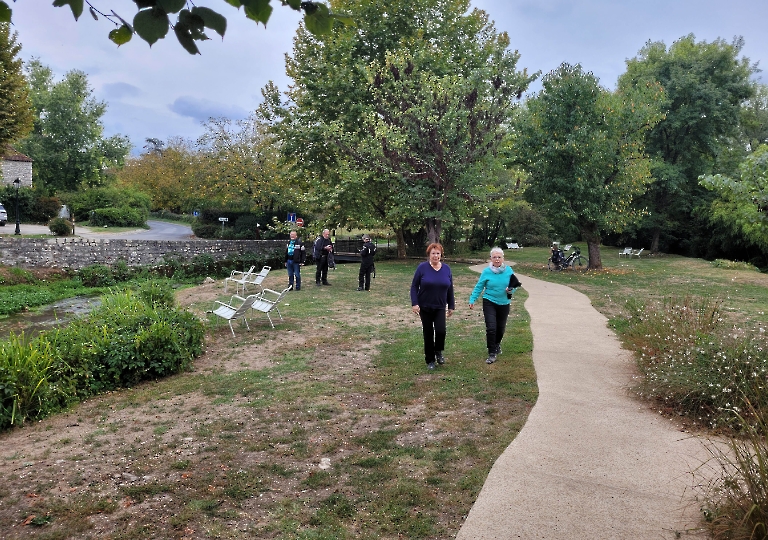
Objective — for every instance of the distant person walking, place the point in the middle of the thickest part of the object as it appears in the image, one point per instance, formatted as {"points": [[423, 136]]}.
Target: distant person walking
{"points": [[497, 283], [295, 256], [366, 264], [431, 292], [323, 247]]}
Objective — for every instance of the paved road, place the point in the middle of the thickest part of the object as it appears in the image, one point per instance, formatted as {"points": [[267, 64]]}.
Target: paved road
{"points": [[591, 462], [159, 230]]}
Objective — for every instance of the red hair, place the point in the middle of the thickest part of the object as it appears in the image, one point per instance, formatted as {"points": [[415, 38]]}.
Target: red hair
{"points": [[435, 245]]}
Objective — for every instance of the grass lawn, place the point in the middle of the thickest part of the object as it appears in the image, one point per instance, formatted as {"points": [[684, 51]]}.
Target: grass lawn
{"points": [[329, 426]]}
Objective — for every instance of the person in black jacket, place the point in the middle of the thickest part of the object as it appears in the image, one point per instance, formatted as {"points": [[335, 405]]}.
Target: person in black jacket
{"points": [[322, 248], [295, 255], [366, 264]]}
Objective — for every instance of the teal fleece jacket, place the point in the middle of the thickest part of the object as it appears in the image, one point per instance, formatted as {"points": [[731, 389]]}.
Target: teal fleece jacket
{"points": [[495, 286]]}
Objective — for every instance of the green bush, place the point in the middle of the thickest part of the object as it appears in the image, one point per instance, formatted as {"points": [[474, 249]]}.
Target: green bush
{"points": [[158, 294], [83, 202], [206, 230], [26, 390], [60, 227], [125, 341], [122, 216], [121, 271], [96, 275]]}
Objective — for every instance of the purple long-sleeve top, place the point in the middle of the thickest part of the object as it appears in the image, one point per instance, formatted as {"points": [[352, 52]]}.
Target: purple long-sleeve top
{"points": [[433, 288]]}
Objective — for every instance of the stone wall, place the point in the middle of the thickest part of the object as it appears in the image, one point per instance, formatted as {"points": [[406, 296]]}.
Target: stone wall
{"points": [[77, 253], [16, 169]]}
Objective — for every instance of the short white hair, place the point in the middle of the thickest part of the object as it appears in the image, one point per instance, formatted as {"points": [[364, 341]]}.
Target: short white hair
{"points": [[497, 250]]}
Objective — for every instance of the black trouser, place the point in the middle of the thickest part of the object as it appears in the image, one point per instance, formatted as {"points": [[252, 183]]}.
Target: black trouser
{"points": [[433, 325], [364, 278], [495, 323], [322, 269]]}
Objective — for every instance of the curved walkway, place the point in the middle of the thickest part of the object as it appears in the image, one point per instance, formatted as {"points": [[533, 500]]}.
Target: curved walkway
{"points": [[591, 462]]}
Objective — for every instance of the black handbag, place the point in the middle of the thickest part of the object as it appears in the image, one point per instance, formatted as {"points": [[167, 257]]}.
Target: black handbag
{"points": [[514, 283]]}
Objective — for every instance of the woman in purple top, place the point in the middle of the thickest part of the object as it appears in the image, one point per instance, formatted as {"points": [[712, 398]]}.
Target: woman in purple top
{"points": [[431, 292]]}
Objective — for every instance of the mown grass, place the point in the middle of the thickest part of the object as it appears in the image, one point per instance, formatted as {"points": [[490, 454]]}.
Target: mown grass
{"points": [[407, 450]]}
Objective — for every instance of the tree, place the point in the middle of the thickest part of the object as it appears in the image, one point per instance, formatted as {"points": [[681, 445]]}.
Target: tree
{"points": [[754, 117], [239, 165], [67, 141], [392, 120], [743, 202], [583, 148], [167, 172], [705, 85], [15, 106], [152, 21]]}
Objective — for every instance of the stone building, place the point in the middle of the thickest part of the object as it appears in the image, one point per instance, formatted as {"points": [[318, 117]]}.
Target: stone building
{"points": [[15, 165]]}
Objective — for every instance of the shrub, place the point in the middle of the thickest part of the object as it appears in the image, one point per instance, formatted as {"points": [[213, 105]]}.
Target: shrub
{"points": [[123, 216], [206, 230], [60, 227], [125, 341], [25, 380], [96, 275], [157, 294], [121, 271]]}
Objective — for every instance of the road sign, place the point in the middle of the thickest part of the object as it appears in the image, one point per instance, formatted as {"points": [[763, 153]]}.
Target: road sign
{"points": [[223, 219], [299, 222]]}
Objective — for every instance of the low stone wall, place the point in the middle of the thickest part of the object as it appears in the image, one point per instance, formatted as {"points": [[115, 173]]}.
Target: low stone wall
{"points": [[77, 253]]}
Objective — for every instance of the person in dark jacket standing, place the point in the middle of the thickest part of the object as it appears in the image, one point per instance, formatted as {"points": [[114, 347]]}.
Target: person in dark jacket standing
{"points": [[322, 247], [366, 264], [431, 292], [295, 256]]}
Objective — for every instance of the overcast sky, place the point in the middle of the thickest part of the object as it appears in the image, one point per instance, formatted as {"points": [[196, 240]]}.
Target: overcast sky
{"points": [[166, 92]]}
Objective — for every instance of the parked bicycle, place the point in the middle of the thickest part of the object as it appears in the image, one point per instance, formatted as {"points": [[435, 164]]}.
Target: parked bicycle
{"points": [[558, 260]]}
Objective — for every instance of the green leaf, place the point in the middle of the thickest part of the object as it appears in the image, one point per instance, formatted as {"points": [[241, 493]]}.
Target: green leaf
{"points": [[185, 39], [141, 4], [75, 5], [320, 22], [93, 14], [235, 3], [258, 10], [121, 35], [295, 4], [5, 13], [151, 24], [171, 6], [191, 24], [211, 19]]}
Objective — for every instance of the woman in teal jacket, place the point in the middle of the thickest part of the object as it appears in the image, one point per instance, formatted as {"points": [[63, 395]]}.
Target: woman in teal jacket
{"points": [[496, 283]]}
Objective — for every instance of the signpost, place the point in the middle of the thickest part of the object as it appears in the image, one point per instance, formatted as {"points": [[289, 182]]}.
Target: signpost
{"points": [[223, 220], [299, 222]]}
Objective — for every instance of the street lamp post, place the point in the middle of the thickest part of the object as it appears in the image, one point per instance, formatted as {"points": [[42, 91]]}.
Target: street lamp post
{"points": [[17, 185]]}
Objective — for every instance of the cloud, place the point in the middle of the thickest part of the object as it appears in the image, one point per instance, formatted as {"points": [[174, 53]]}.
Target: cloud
{"points": [[120, 90], [203, 109]]}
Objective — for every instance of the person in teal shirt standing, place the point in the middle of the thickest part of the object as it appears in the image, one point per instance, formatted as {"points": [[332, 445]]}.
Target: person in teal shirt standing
{"points": [[497, 283]]}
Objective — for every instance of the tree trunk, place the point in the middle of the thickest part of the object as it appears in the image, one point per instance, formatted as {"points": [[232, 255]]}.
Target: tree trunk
{"points": [[592, 236], [655, 241], [434, 227], [400, 243]]}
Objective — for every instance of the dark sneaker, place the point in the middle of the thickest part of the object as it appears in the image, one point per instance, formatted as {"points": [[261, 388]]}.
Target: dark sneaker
{"points": [[491, 359], [439, 358], [326, 283], [431, 366], [297, 289], [359, 288], [498, 350], [317, 283]]}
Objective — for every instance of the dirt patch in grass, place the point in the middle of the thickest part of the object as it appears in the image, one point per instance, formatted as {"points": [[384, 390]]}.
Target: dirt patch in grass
{"points": [[326, 427]]}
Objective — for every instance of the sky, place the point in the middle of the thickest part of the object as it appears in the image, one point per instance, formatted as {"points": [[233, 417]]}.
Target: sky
{"points": [[165, 92]]}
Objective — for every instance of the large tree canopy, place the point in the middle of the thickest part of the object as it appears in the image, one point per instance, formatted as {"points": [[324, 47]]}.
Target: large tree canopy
{"points": [[704, 85], [15, 106], [583, 147], [153, 19], [743, 202], [67, 141], [393, 119]]}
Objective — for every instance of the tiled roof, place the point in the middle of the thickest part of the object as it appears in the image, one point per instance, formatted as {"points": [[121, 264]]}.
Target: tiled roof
{"points": [[11, 154]]}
